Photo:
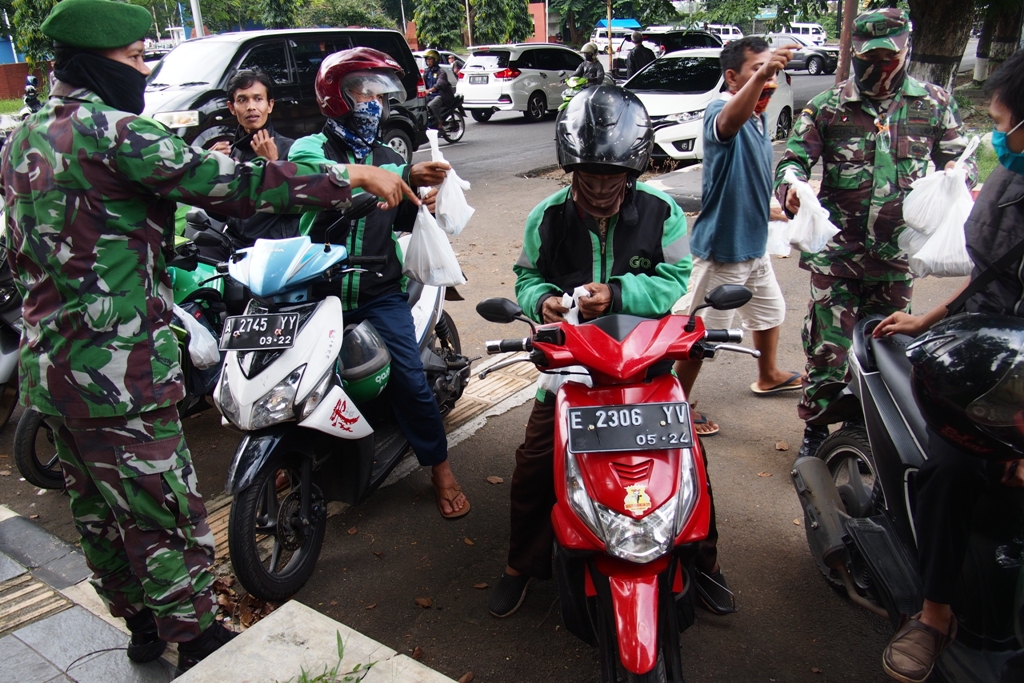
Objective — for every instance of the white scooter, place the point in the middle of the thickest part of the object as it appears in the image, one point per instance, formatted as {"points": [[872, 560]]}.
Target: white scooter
{"points": [[309, 394]]}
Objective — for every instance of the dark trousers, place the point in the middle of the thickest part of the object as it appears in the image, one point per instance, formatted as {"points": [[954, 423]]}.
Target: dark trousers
{"points": [[949, 485], [533, 496], [412, 401]]}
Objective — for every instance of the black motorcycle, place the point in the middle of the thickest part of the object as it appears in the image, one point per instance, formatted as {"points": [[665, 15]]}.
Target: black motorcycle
{"points": [[858, 494], [453, 121]]}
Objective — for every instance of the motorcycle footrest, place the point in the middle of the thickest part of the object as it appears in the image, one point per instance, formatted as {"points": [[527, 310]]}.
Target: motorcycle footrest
{"points": [[893, 570]]}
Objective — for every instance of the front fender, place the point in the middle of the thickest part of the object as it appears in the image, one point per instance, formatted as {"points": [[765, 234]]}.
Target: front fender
{"points": [[256, 449], [635, 602]]}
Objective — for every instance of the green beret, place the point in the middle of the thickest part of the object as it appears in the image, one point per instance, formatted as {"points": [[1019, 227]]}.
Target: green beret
{"points": [[96, 24], [887, 28]]}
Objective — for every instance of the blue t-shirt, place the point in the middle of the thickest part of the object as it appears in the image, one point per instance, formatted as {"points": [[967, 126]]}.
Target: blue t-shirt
{"points": [[737, 189]]}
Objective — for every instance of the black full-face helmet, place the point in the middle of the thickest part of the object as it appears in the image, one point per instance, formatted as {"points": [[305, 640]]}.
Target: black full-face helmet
{"points": [[968, 379], [605, 130]]}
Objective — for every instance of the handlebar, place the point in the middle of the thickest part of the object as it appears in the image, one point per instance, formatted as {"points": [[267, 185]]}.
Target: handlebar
{"points": [[509, 345], [723, 336], [368, 260]]}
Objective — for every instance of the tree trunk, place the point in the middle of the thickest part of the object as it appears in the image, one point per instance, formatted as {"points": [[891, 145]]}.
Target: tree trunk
{"points": [[941, 31], [1005, 36], [984, 46]]}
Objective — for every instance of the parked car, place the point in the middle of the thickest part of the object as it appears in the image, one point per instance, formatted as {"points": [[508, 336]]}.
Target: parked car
{"points": [[816, 59], [421, 63], [186, 90], [813, 33], [678, 87], [600, 37], [662, 41], [152, 55], [526, 77], [727, 32]]}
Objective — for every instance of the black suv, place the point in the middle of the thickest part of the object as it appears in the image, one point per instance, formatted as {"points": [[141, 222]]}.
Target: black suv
{"points": [[186, 90], [662, 41], [817, 59]]}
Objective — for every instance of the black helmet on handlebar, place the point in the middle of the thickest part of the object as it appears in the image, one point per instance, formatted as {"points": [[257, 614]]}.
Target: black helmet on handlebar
{"points": [[968, 379], [605, 130]]}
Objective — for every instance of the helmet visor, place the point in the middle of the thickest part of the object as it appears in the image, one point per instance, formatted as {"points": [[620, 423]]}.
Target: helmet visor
{"points": [[1003, 405], [373, 83]]}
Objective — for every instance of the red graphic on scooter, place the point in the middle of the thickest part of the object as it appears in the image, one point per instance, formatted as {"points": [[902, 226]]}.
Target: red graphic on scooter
{"points": [[338, 418]]}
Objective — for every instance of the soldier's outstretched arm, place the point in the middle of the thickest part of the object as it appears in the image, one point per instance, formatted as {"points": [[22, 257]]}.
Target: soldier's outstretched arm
{"points": [[803, 149], [952, 141]]}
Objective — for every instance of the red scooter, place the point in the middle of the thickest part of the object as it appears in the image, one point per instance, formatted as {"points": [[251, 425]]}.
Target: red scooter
{"points": [[631, 488]]}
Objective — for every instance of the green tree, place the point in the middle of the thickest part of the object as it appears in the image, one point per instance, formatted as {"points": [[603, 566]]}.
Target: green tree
{"points": [[28, 17], [343, 13], [501, 21], [647, 12], [439, 23], [578, 18], [277, 13]]}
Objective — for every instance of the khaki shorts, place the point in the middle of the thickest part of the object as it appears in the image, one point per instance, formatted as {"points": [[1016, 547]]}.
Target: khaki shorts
{"points": [[765, 310]]}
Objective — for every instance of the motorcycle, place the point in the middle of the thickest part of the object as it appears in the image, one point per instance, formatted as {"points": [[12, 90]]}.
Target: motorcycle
{"points": [[857, 494], [31, 98], [453, 121], [630, 481], [303, 387], [199, 291], [10, 338]]}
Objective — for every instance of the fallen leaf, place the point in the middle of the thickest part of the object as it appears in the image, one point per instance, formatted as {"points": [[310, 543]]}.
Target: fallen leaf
{"points": [[353, 531], [379, 554], [495, 480], [466, 677], [33, 516], [796, 521], [764, 474], [781, 446], [815, 670], [425, 603], [5, 473], [332, 603], [417, 653], [223, 584], [467, 541], [371, 606], [480, 585]]}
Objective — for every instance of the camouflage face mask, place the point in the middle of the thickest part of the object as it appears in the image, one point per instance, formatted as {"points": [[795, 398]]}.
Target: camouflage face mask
{"points": [[879, 80]]}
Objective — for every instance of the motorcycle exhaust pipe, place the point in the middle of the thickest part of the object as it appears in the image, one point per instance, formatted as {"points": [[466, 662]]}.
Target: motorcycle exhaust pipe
{"points": [[823, 508]]}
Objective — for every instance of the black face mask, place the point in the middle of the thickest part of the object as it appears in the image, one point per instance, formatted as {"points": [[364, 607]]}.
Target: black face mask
{"points": [[118, 85]]}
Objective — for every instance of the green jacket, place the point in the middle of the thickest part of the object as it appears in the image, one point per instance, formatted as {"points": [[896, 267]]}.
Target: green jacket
{"points": [[863, 185], [90, 193]]}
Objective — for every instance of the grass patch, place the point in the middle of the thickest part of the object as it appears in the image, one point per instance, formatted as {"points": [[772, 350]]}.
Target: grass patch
{"points": [[11, 106], [987, 161], [334, 675]]}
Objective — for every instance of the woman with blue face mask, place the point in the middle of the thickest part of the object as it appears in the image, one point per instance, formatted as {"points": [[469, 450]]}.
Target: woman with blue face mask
{"points": [[353, 89], [949, 488]]}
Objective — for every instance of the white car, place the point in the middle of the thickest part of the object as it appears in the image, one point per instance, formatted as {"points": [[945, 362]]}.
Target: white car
{"points": [[677, 88], [421, 62], [526, 77]]}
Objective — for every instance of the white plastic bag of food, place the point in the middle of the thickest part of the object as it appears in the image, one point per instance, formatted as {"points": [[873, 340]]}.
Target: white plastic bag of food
{"points": [[202, 345], [933, 197], [551, 381], [778, 238], [430, 258], [452, 210], [911, 241], [810, 230]]}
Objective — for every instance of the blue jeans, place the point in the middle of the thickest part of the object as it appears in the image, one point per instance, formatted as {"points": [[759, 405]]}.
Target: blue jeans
{"points": [[419, 417]]}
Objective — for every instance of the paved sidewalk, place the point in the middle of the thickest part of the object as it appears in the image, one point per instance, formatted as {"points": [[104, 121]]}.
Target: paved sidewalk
{"points": [[54, 628]]}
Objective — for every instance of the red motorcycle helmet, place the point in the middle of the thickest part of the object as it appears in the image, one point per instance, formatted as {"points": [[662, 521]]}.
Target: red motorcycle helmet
{"points": [[360, 69]]}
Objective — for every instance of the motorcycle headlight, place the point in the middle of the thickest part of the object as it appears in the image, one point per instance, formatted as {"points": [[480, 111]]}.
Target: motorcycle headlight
{"points": [[317, 395], [686, 497], [278, 404], [579, 500], [638, 540], [226, 402], [685, 116]]}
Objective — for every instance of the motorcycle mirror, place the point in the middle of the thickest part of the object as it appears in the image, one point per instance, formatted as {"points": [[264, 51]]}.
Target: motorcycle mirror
{"points": [[728, 297], [499, 310], [208, 239], [198, 218]]}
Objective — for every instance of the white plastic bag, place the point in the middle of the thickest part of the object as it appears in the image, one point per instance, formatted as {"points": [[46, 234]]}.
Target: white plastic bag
{"points": [[551, 381], [430, 259], [778, 238], [911, 241], [452, 210], [810, 230], [933, 197], [202, 345]]}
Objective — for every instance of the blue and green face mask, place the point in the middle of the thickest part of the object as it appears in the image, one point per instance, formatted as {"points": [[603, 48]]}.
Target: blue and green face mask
{"points": [[1014, 161]]}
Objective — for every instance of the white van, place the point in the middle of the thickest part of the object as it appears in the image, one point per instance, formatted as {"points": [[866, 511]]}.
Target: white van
{"points": [[726, 32], [619, 35], [811, 32]]}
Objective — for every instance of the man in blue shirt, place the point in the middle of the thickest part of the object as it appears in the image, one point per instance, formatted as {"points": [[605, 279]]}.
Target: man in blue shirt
{"points": [[731, 233]]}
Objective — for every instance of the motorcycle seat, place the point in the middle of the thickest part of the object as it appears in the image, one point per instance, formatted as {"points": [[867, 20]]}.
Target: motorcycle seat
{"points": [[890, 354]]}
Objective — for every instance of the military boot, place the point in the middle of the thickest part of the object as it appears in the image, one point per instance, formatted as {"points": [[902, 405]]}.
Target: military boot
{"points": [[146, 644], [201, 647]]}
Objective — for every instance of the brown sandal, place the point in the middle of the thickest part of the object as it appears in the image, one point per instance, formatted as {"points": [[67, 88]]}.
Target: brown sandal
{"points": [[449, 494]]}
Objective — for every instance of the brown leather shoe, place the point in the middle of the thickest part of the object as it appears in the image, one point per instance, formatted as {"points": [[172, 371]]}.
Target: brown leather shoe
{"points": [[911, 654]]}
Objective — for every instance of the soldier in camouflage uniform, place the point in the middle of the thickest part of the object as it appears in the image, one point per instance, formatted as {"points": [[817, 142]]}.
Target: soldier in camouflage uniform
{"points": [[875, 134], [90, 190]]}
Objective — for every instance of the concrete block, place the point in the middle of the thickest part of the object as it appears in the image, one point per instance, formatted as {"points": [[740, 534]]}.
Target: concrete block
{"points": [[70, 635], [295, 637], [9, 568], [18, 662]]}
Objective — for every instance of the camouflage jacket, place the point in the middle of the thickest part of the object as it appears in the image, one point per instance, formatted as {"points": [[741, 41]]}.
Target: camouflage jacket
{"points": [[90, 196], [863, 185]]}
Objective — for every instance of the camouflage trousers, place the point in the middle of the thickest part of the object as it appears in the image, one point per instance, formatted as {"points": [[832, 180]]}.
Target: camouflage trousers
{"points": [[136, 504], [837, 304]]}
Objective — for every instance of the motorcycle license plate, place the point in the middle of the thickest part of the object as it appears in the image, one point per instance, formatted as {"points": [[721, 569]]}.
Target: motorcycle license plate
{"points": [[477, 79], [259, 332], [645, 427]]}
